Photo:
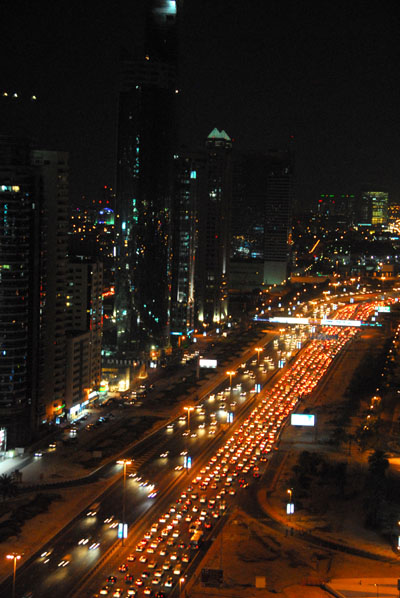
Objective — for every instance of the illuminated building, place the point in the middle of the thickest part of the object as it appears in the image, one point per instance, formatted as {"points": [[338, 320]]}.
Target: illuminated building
{"points": [[212, 271], [278, 214], [17, 197], [145, 148], [373, 207], [188, 177], [52, 169], [84, 310], [33, 236]]}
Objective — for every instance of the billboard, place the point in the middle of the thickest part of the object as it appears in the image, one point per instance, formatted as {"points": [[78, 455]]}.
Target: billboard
{"points": [[302, 419], [384, 308], [3, 439], [208, 363]]}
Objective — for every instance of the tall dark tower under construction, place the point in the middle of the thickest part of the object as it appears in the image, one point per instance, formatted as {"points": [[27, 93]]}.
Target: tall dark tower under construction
{"points": [[146, 144]]}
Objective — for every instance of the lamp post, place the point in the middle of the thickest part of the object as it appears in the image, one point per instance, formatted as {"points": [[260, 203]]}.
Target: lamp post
{"points": [[258, 351], [290, 492], [188, 410], [181, 582], [14, 556], [231, 373], [124, 462]]}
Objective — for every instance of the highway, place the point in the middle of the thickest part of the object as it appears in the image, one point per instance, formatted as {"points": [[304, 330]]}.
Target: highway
{"points": [[226, 459]]}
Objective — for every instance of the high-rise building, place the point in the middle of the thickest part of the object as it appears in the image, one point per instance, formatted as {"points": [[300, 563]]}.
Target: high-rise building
{"points": [[145, 148], [337, 208], [186, 197], [373, 207], [18, 289], [84, 310], [52, 170], [33, 237], [212, 268], [278, 214]]}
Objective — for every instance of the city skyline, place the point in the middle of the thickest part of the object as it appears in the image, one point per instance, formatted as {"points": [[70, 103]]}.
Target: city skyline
{"points": [[327, 77]]}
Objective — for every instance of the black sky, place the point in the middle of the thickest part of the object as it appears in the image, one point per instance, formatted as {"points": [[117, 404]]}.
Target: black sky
{"points": [[327, 73]]}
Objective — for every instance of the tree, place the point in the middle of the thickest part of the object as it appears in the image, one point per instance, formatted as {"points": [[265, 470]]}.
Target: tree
{"points": [[8, 487], [378, 463]]}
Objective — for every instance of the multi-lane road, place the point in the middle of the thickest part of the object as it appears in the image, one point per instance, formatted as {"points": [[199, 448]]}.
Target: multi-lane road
{"points": [[227, 442]]}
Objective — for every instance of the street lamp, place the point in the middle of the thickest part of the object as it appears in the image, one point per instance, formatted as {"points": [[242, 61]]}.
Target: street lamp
{"points": [[188, 410], [290, 492], [14, 556], [231, 373], [181, 581], [258, 351], [124, 462]]}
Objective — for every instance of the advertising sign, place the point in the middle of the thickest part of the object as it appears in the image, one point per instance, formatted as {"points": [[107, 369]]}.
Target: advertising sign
{"points": [[208, 363], [3, 439], [302, 419]]}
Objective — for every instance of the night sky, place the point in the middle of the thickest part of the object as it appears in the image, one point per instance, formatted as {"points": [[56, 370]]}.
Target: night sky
{"points": [[325, 72]]}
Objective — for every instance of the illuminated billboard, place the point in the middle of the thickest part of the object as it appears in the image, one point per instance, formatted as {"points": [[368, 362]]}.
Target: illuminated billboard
{"points": [[3, 439], [302, 419], [384, 308], [208, 363]]}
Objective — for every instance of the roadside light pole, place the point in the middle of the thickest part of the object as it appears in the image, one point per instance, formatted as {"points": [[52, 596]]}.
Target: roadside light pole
{"points": [[231, 373], [258, 351], [14, 556], [181, 582], [124, 462], [188, 410]]}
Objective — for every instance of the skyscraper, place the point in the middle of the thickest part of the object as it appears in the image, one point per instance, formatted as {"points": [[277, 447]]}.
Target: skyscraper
{"points": [[278, 214], [212, 269], [145, 149], [189, 179], [33, 244]]}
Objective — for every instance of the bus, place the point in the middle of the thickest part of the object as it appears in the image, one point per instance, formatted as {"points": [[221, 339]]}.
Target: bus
{"points": [[195, 540]]}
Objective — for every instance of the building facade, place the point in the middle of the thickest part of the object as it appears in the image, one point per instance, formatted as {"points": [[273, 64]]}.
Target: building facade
{"points": [[145, 147], [212, 271], [278, 214]]}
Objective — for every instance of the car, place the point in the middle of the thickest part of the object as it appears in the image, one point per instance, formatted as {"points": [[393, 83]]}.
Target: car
{"points": [[131, 591], [94, 546], [166, 565], [128, 578], [131, 558], [65, 561], [143, 559], [139, 582], [185, 558], [168, 582], [123, 567], [118, 593], [145, 574], [38, 454], [111, 579], [148, 592], [105, 590], [164, 455], [174, 556]]}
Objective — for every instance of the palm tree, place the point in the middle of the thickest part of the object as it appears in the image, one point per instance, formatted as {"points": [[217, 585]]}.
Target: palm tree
{"points": [[378, 463], [8, 487]]}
